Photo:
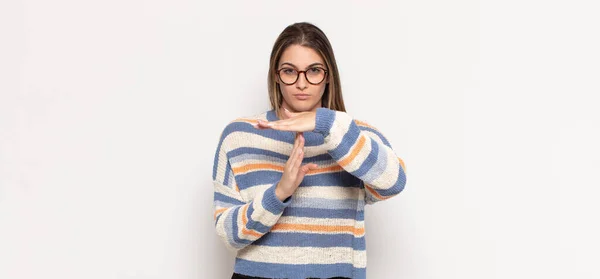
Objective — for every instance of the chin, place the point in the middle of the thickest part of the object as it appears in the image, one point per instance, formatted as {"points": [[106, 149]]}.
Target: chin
{"points": [[302, 107]]}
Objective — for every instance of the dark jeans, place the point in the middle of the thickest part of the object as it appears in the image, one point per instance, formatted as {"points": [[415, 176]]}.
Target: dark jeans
{"points": [[241, 276]]}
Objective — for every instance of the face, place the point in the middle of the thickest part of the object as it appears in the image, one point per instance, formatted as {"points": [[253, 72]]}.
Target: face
{"points": [[301, 95]]}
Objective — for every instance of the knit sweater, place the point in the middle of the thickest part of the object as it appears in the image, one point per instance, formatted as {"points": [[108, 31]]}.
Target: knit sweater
{"points": [[319, 231]]}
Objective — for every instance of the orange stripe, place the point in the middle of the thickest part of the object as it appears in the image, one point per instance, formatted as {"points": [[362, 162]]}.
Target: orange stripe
{"points": [[244, 212], [219, 211], [325, 169], [317, 228], [253, 121], [402, 164], [375, 193], [365, 124], [249, 167], [358, 148], [245, 221]]}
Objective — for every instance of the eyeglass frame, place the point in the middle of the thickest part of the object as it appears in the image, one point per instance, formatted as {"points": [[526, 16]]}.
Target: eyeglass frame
{"points": [[305, 77]]}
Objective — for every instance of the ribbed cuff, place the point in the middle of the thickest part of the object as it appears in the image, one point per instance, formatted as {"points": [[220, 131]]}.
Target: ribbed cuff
{"points": [[271, 203], [324, 121]]}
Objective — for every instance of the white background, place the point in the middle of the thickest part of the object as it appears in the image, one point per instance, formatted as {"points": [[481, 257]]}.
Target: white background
{"points": [[111, 111]]}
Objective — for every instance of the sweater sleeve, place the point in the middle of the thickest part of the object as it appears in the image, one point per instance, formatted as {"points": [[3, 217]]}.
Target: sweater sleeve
{"points": [[366, 155], [238, 222]]}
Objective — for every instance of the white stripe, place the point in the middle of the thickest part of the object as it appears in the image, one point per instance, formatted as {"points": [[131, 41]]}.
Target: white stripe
{"points": [[220, 229], [250, 193], [261, 214], [340, 127], [244, 159], [321, 221], [330, 192], [374, 136], [222, 189]]}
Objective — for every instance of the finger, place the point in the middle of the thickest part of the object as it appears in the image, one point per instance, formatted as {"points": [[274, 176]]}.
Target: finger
{"points": [[309, 167], [312, 166], [297, 159], [294, 152], [281, 125], [297, 162], [258, 125], [304, 170], [264, 124]]}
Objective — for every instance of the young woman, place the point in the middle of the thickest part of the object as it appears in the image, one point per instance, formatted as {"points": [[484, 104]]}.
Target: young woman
{"points": [[291, 183]]}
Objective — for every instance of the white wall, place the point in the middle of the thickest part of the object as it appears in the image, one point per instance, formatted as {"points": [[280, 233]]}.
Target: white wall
{"points": [[110, 113]]}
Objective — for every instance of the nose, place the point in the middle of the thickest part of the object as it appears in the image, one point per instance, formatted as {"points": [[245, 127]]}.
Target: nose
{"points": [[301, 83]]}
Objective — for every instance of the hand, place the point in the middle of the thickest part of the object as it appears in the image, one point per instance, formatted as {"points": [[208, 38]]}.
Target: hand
{"points": [[293, 172], [296, 122]]}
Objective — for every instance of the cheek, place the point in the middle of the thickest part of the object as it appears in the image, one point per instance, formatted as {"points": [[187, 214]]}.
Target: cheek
{"points": [[284, 89]]}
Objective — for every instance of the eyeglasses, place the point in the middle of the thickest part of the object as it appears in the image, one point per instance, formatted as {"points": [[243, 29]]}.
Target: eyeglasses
{"points": [[314, 75]]}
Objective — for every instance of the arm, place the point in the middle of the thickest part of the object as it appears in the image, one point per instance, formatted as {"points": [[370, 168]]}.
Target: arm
{"points": [[359, 153], [239, 222]]}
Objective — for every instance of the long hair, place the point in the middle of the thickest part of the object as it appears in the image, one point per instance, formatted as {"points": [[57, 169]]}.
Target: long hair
{"points": [[307, 35]]}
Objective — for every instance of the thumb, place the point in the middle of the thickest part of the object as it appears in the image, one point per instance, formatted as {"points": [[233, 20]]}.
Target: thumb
{"points": [[304, 170], [308, 167]]}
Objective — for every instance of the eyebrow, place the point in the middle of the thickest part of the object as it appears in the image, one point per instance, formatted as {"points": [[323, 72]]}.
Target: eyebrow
{"points": [[313, 64]]}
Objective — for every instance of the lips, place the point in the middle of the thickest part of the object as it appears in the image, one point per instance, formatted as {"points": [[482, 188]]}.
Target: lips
{"points": [[301, 96]]}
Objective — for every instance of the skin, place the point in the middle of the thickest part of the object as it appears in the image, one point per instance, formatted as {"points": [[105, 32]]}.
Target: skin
{"points": [[298, 115]]}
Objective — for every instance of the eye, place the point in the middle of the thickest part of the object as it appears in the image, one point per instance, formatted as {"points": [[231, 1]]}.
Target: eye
{"points": [[315, 70], [288, 71]]}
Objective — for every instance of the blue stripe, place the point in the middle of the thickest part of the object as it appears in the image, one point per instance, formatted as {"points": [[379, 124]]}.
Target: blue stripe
{"points": [[220, 203], [216, 161], [398, 186], [289, 239], [339, 178], [370, 161], [324, 213], [353, 204], [242, 159], [227, 199], [258, 151], [271, 203], [261, 177], [380, 135], [255, 225], [379, 166], [227, 173], [269, 270], [348, 140], [247, 180], [324, 119]]}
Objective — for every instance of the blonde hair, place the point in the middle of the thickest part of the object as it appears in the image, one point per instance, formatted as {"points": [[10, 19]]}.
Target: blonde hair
{"points": [[307, 35]]}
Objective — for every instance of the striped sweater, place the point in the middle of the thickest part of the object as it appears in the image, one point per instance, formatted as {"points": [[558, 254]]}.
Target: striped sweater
{"points": [[319, 231]]}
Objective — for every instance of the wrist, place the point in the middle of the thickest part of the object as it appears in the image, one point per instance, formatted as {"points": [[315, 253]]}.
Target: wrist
{"points": [[280, 194]]}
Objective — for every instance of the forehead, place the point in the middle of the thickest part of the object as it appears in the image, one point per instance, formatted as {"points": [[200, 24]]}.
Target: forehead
{"points": [[300, 56]]}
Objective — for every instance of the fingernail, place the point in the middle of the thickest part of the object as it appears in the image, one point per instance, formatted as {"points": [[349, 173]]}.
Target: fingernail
{"points": [[286, 109]]}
